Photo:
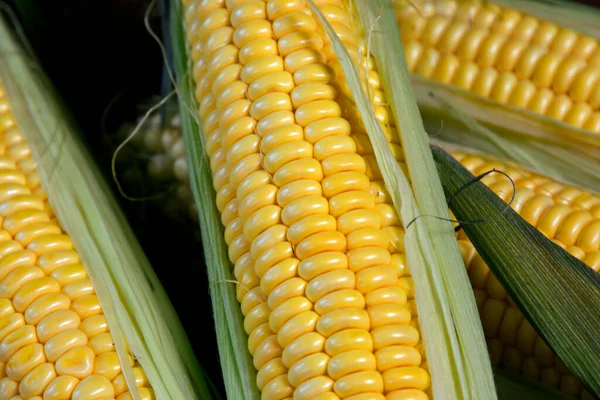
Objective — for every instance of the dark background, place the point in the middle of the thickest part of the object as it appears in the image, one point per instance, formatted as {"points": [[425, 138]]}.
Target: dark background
{"points": [[98, 52]]}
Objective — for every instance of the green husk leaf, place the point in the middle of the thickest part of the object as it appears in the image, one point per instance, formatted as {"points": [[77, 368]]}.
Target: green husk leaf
{"points": [[135, 305], [458, 116], [558, 294], [447, 311], [238, 370]]}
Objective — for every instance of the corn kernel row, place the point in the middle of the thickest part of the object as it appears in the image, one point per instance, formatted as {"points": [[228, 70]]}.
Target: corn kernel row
{"points": [[55, 342], [505, 55]]}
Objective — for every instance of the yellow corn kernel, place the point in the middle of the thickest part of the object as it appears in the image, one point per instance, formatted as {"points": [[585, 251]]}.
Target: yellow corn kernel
{"points": [[474, 53], [43, 341]]}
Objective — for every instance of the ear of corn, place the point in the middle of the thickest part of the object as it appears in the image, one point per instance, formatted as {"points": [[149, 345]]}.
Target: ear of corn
{"points": [[303, 278], [533, 82], [83, 315], [159, 155], [523, 253]]}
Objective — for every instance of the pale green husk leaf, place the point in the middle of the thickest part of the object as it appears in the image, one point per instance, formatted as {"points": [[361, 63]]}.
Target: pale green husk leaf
{"points": [[239, 374], [457, 116]]}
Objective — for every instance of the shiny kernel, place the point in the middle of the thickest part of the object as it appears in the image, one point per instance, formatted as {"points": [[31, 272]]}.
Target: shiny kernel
{"points": [[298, 40], [310, 225], [288, 289], [446, 68], [285, 153], [312, 388], [280, 82], [8, 388], [484, 82], [350, 362], [94, 387], [428, 62], [247, 11], [270, 103], [260, 67], [528, 61], [412, 52], [79, 288], [309, 92], [102, 343], [270, 371], [344, 298], [287, 310], [278, 388], [349, 340], [370, 279], [470, 44], [301, 347], [145, 393], [522, 94], [24, 361], [397, 356], [404, 335], [365, 257], [17, 339], [341, 319], [318, 264], [301, 58], [466, 75], [10, 323], [34, 383], [93, 326], [321, 242], [584, 83], [386, 295], [334, 145], [108, 365], [352, 200], [17, 278], [359, 382], [405, 378], [566, 75], [69, 273], [356, 219], [368, 237], [293, 22], [308, 169], [503, 87], [326, 127], [308, 367], [314, 73]]}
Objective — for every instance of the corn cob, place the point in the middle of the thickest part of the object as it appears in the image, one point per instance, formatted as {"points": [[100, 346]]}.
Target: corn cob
{"points": [[505, 55], [512, 342], [166, 162], [54, 339], [266, 86], [568, 216], [317, 246]]}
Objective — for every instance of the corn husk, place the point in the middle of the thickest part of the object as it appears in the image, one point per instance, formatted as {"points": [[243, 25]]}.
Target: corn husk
{"points": [[239, 374]]}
